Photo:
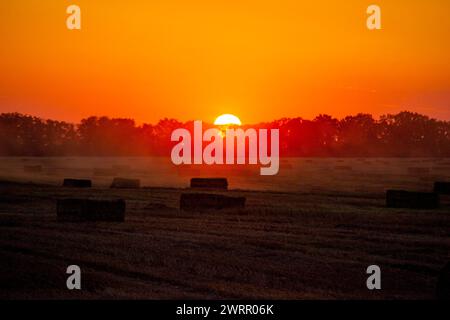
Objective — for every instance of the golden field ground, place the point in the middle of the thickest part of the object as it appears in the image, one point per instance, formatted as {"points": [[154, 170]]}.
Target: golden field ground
{"points": [[308, 233]]}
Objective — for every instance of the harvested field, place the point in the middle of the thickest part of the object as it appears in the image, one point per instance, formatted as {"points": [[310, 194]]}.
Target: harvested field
{"points": [[84, 210], [312, 242], [209, 183], [208, 202], [412, 200], [77, 183], [124, 183]]}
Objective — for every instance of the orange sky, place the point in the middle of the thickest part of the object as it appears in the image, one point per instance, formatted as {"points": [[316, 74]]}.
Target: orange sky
{"points": [[196, 59]]}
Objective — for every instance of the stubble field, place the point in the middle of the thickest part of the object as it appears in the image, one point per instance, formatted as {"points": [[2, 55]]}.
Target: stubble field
{"points": [[309, 233]]}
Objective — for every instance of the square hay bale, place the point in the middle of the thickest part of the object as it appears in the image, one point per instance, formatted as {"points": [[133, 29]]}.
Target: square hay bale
{"points": [[412, 200], [122, 183], [442, 187], [418, 170], [79, 210], [209, 183], [77, 183], [32, 169], [443, 284], [205, 201], [104, 172]]}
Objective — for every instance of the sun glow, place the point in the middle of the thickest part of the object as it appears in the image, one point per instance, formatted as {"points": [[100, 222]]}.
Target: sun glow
{"points": [[227, 120]]}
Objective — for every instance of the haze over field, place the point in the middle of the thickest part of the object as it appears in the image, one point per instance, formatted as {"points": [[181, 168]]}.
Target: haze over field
{"points": [[309, 233], [351, 175]]}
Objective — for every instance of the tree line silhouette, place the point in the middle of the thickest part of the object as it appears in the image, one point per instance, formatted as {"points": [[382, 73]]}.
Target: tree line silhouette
{"points": [[405, 134]]}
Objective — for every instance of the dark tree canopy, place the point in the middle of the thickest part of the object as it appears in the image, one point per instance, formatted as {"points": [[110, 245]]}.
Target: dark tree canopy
{"points": [[405, 134]]}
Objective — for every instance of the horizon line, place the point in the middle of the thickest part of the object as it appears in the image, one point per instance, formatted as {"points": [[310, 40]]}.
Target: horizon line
{"points": [[140, 123]]}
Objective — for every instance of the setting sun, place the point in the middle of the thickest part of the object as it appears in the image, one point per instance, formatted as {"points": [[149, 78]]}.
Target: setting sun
{"points": [[227, 119]]}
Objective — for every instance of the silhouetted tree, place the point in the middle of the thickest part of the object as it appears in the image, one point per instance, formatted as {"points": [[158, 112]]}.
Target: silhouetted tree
{"points": [[403, 134], [358, 135]]}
